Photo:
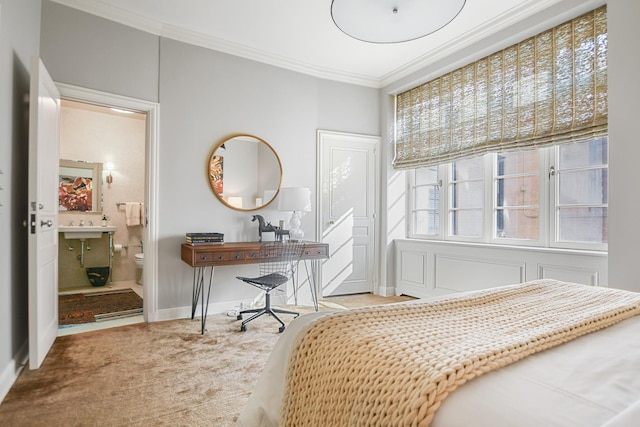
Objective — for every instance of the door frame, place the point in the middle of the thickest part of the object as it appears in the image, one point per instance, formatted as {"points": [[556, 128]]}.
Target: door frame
{"points": [[375, 141], [150, 234]]}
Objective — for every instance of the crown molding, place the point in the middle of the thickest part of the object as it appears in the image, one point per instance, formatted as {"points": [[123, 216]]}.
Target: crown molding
{"points": [[97, 8], [225, 46], [501, 22]]}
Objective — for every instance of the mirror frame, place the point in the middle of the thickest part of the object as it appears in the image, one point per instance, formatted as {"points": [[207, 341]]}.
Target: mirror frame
{"points": [[96, 183], [259, 140]]}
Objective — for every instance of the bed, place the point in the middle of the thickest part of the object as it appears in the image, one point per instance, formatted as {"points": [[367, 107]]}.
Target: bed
{"points": [[551, 354]]}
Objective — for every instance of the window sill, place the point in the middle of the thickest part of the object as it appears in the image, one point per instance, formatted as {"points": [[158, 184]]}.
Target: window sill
{"points": [[510, 247]]}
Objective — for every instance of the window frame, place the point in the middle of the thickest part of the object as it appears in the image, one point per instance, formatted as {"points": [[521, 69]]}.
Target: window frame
{"points": [[548, 207], [554, 209]]}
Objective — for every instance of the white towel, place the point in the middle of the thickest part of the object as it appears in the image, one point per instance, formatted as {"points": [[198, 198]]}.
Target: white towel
{"points": [[142, 214], [132, 213]]}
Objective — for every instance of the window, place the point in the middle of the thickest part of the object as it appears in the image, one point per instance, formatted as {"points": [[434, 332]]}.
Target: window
{"points": [[517, 207], [548, 197], [426, 201], [582, 198], [466, 189]]}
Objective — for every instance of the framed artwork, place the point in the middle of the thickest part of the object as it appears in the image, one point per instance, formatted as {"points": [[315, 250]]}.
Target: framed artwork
{"points": [[79, 186]]}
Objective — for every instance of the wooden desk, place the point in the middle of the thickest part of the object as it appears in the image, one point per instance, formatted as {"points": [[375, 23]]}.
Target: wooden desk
{"points": [[235, 253]]}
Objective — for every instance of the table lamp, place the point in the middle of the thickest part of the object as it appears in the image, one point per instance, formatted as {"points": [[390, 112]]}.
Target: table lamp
{"points": [[296, 200]]}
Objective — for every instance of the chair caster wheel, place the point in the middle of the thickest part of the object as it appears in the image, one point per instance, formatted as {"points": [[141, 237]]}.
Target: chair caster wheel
{"points": [[239, 317], [243, 328], [281, 329]]}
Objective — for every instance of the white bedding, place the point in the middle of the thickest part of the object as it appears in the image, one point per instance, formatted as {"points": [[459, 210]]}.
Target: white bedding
{"points": [[591, 381]]}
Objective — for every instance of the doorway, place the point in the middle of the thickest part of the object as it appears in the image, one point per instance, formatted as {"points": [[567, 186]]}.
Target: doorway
{"points": [[101, 165], [89, 123], [347, 204]]}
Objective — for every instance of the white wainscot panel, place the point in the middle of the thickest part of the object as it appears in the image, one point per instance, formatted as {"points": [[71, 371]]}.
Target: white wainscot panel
{"points": [[428, 268], [586, 276], [413, 268], [411, 276], [461, 273]]}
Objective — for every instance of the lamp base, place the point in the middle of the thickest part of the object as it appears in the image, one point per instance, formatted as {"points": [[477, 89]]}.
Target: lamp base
{"points": [[295, 232]]}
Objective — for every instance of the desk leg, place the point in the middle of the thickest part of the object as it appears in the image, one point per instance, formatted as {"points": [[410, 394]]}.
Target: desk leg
{"points": [[199, 275], [195, 294], [312, 282]]}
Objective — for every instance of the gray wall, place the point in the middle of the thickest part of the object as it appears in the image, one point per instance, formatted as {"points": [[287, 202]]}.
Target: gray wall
{"points": [[83, 50], [19, 41], [624, 143], [204, 96]]}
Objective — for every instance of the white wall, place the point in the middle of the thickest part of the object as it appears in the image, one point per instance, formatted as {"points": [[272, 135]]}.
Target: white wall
{"points": [[19, 41]]}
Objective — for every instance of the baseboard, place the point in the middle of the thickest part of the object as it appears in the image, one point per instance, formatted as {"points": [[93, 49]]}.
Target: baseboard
{"points": [[387, 291], [12, 371], [185, 311]]}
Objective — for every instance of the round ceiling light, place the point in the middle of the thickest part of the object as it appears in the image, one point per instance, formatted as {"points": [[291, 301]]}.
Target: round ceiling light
{"points": [[393, 21]]}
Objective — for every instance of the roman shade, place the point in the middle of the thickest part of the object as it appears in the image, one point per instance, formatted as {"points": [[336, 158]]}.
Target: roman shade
{"points": [[548, 89]]}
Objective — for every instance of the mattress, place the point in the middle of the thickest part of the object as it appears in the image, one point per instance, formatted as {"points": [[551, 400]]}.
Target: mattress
{"points": [[593, 380]]}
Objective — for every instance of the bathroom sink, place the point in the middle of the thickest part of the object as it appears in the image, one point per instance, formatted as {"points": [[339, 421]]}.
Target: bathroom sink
{"points": [[84, 232]]}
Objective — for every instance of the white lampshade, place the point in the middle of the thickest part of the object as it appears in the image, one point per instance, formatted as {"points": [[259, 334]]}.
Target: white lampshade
{"points": [[393, 21], [296, 199]]}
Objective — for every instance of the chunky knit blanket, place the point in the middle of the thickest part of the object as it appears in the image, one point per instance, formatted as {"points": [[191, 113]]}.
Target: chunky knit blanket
{"points": [[393, 365]]}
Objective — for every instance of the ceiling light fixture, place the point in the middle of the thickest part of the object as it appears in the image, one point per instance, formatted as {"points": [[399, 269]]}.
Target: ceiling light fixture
{"points": [[393, 21]]}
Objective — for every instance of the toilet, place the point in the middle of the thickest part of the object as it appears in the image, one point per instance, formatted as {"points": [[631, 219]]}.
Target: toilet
{"points": [[139, 264]]}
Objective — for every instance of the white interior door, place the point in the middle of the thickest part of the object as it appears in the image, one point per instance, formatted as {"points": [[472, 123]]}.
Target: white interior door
{"points": [[44, 119], [347, 209]]}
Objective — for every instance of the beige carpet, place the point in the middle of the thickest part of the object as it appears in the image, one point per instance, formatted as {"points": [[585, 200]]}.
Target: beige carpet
{"points": [[160, 374]]}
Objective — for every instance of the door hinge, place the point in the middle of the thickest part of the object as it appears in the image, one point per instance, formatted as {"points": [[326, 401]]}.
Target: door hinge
{"points": [[33, 223]]}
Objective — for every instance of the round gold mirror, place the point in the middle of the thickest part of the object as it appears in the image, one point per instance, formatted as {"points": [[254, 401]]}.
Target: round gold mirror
{"points": [[245, 172]]}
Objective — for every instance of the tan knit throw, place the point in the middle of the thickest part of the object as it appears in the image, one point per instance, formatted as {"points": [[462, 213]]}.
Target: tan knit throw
{"points": [[393, 365]]}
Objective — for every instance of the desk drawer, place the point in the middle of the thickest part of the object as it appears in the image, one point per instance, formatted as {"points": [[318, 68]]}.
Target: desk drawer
{"points": [[210, 257], [316, 252]]}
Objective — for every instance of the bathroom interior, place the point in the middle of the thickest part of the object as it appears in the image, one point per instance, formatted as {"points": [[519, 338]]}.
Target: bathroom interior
{"points": [[109, 144]]}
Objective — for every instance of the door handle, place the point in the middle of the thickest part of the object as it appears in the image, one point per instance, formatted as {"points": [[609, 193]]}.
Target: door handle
{"points": [[47, 223]]}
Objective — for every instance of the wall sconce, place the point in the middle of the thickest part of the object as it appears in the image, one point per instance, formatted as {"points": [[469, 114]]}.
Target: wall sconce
{"points": [[109, 167]]}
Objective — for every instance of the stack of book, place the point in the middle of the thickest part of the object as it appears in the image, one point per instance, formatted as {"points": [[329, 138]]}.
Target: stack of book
{"points": [[205, 238]]}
